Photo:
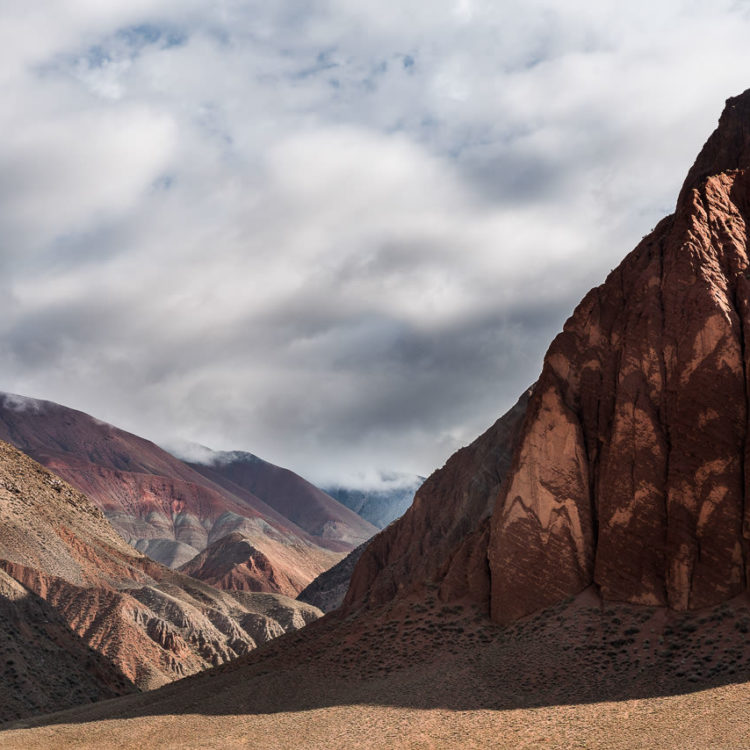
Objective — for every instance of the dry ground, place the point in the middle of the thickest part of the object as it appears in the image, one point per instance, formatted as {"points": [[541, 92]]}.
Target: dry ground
{"points": [[420, 675]]}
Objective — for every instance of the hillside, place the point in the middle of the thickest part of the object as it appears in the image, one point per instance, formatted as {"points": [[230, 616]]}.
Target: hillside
{"points": [[71, 584], [164, 507]]}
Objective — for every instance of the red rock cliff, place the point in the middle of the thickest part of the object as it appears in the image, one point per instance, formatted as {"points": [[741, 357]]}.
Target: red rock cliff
{"points": [[629, 468]]}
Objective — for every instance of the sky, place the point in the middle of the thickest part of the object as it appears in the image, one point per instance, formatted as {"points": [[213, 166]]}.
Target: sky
{"points": [[339, 235]]}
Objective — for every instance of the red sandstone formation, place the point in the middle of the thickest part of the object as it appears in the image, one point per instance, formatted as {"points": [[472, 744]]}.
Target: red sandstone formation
{"points": [[628, 469]]}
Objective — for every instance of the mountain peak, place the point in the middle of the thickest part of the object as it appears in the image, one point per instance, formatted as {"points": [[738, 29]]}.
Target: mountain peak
{"points": [[727, 148]]}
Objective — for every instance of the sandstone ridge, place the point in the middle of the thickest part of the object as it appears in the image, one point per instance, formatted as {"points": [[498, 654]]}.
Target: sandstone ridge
{"points": [[627, 465]]}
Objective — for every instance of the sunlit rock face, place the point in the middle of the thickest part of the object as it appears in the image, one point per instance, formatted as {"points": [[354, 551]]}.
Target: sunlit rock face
{"points": [[630, 470], [626, 466]]}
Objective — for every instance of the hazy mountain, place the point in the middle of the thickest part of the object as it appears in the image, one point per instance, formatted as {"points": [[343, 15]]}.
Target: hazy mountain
{"points": [[380, 502]]}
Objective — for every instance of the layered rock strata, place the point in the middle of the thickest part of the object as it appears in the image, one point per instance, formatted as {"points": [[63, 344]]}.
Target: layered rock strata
{"points": [[151, 624]]}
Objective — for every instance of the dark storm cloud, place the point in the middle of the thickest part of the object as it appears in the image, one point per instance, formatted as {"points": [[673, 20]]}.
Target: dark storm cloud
{"points": [[339, 236]]}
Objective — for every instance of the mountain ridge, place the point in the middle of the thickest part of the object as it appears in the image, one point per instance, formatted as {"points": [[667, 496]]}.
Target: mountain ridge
{"points": [[166, 507]]}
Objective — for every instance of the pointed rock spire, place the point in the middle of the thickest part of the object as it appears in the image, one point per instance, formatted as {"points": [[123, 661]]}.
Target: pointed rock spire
{"points": [[727, 148]]}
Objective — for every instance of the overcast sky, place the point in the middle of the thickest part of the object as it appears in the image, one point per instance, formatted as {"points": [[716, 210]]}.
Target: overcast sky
{"points": [[339, 234]]}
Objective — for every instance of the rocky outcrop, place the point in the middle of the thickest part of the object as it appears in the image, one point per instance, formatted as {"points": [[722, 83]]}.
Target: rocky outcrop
{"points": [[630, 470], [328, 590], [628, 467]]}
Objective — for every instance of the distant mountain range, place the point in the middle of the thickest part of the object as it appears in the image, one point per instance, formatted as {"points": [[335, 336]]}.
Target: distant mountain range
{"points": [[172, 510], [382, 502]]}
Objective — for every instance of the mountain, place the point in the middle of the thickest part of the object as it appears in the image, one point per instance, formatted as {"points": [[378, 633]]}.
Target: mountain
{"points": [[578, 574], [288, 493], [169, 510], [448, 520], [388, 500], [232, 563], [328, 590], [71, 586], [45, 665], [628, 461]]}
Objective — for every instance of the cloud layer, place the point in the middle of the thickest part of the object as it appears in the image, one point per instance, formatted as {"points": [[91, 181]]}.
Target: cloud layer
{"points": [[342, 235]]}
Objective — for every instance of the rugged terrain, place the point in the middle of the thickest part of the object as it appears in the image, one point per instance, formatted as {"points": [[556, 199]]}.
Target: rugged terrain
{"points": [[577, 576], [328, 590], [627, 465], [417, 673], [44, 666], [69, 584], [171, 511]]}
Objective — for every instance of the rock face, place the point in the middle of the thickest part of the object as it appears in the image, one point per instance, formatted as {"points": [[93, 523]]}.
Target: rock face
{"points": [[328, 590], [628, 467], [448, 508], [167, 509], [59, 555]]}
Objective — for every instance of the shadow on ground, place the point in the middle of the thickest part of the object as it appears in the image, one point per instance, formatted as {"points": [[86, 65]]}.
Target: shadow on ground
{"points": [[423, 655]]}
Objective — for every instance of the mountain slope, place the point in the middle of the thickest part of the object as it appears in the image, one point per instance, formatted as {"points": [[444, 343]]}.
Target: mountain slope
{"points": [[157, 502], [45, 665], [232, 563], [450, 509], [288, 493], [328, 590], [153, 625], [379, 505], [628, 468]]}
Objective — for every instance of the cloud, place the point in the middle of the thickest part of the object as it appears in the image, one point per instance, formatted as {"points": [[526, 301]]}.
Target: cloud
{"points": [[339, 236]]}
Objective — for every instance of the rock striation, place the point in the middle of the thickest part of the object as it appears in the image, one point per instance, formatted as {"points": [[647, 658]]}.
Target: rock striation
{"points": [[626, 467], [170, 510], [67, 579]]}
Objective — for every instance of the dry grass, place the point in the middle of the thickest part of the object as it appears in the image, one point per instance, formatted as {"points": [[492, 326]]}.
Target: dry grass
{"points": [[421, 675]]}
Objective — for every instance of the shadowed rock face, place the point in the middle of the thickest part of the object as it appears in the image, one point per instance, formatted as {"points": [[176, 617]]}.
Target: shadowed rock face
{"points": [[628, 470], [447, 508], [328, 590]]}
